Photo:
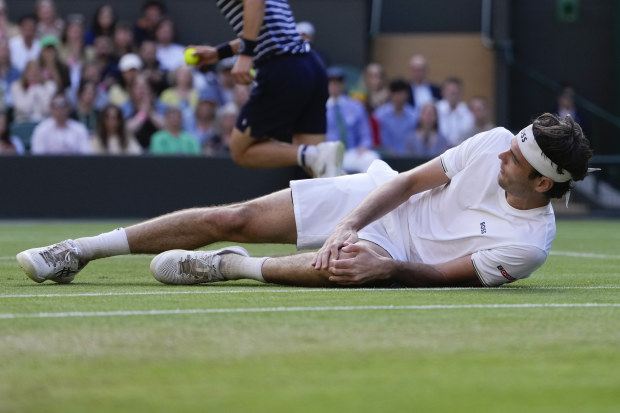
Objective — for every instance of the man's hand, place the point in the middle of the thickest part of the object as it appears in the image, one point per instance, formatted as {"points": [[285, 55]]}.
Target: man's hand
{"points": [[361, 265], [338, 239], [241, 71], [207, 54]]}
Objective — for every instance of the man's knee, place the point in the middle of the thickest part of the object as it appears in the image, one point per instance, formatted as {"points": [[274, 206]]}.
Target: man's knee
{"points": [[308, 139], [229, 220]]}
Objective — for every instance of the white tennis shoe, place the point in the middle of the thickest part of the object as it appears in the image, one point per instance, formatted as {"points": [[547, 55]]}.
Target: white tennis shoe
{"points": [[58, 262], [328, 162], [183, 267]]}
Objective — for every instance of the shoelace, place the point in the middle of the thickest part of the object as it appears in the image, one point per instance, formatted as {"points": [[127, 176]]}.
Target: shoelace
{"points": [[68, 257], [189, 267]]}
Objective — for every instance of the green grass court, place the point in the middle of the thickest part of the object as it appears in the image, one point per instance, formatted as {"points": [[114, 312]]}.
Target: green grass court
{"points": [[115, 340]]}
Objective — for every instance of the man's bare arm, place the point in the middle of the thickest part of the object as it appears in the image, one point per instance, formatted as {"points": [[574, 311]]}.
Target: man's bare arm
{"points": [[253, 16], [456, 273], [378, 203], [366, 266]]}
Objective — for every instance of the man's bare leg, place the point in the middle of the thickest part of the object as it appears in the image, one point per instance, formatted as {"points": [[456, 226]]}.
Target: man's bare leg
{"points": [[320, 161], [266, 219], [294, 270], [261, 153]]}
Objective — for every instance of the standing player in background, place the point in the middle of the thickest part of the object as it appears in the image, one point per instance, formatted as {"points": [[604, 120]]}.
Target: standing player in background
{"points": [[283, 123]]}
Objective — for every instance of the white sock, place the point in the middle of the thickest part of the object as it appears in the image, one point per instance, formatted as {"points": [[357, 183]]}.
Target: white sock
{"points": [[237, 267], [104, 245], [306, 154]]}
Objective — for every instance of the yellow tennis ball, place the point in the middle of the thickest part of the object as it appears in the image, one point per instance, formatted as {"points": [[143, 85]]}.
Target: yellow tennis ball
{"points": [[190, 58], [253, 72]]}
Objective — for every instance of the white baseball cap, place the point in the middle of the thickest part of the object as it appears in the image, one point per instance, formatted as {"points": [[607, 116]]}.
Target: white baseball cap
{"points": [[130, 61], [305, 28]]}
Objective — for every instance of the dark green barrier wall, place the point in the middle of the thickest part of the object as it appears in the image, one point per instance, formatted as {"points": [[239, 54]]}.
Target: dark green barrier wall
{"points": [[130, 187]]}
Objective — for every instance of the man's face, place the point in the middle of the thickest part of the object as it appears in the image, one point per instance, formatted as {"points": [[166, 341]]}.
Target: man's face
{"points": [[129, 76], [515, 171], [451, 92], [60, 108], [28, 28], [153, 14], [165, 33], [417, 70], [148, 51], [479, 109], [374, 77], [399, 97], [174, 119], [336, 87]]}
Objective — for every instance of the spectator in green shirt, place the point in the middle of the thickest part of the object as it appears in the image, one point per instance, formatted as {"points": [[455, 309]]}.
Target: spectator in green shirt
{"points": [[172, 140]]}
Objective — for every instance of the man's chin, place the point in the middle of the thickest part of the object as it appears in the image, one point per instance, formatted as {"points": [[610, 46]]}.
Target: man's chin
{"points": [[500, 182]]}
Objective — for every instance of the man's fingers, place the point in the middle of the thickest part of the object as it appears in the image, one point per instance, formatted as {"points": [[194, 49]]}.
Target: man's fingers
{"points": [[333, 255], [321, 258], [341, 266], [349, 247]]}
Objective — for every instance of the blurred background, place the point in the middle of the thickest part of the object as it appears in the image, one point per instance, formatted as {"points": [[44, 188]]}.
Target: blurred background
{"points": [[516, 58]]}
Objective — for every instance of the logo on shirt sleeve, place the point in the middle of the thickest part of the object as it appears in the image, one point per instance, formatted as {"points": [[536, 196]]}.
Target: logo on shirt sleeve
{"points": [[505, 274]]}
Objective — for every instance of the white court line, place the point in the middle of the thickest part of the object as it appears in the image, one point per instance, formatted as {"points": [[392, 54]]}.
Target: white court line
{"points": [[304, 290], [300, 309], [117, 257], [585, 255]]}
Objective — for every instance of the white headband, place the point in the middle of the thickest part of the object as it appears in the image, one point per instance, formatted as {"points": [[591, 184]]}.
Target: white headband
{"points": [[536, 157]]}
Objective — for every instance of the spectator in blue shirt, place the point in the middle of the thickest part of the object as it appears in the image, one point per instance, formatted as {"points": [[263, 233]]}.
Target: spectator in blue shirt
{"points": [[397, 119], [427, 141], [8, 74], [347, 122]]}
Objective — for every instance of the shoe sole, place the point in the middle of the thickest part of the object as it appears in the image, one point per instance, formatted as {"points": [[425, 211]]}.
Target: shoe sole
{"points": [[25, 263]]}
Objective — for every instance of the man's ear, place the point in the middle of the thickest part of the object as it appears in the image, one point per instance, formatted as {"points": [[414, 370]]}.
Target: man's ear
{"points": [[544, 184]]}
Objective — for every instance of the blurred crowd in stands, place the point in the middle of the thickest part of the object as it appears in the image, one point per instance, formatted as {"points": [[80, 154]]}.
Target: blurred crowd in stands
{"points": [[74, 84]]}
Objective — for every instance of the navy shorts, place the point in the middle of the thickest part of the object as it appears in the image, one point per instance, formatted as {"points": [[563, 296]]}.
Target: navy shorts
{"points": [[289, 98]]}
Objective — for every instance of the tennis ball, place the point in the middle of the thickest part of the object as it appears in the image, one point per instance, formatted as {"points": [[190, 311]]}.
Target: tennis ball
{"points": [[190, 58], [253, 72]]}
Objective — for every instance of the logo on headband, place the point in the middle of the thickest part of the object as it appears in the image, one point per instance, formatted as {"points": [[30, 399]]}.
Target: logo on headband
{"points": [[523, 136]]}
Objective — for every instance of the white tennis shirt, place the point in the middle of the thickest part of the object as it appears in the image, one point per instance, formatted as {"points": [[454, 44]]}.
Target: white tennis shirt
{"points": [[470, 215]]}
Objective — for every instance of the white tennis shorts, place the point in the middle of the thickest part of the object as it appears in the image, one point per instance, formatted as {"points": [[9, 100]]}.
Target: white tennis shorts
{"points": [[319, 205]]}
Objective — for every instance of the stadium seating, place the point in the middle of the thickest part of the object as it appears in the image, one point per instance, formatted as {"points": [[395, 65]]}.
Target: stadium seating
{"points": [[23, 130]]}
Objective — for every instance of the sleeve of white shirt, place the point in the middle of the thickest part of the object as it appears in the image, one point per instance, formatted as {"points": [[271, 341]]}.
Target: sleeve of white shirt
{"points": [[456, 159], [502, 265], [86, 147]]}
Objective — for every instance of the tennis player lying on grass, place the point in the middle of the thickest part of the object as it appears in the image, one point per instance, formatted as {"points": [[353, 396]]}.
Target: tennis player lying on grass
{"points": [[478, 215]]}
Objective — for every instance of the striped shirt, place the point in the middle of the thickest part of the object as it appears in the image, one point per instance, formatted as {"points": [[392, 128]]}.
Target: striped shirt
{"points": [[278, 34]]}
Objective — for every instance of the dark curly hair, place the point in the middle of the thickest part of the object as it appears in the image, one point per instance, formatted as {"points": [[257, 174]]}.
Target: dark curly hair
{"points": [[562, 141]]}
